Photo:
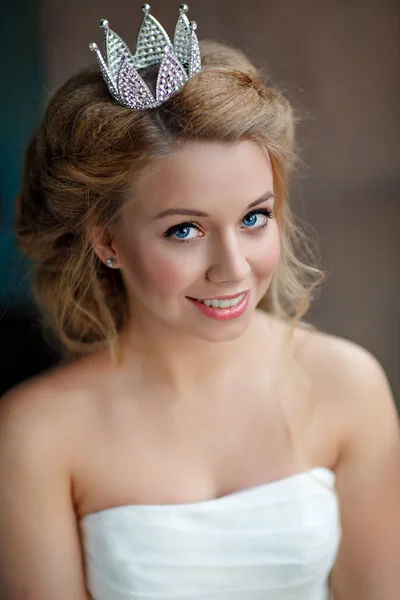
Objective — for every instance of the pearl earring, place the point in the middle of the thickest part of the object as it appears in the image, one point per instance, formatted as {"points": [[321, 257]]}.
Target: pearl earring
{"points": [[110, 262]]}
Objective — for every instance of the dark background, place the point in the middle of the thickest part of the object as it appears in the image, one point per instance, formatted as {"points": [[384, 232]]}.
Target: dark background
{"points": [[338, 62]]}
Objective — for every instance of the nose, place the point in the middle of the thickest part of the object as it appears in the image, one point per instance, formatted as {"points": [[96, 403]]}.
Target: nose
{"points": [[228, 262]]}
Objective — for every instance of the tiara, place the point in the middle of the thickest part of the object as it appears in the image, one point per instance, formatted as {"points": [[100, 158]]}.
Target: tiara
{"points": [[178, 62]]}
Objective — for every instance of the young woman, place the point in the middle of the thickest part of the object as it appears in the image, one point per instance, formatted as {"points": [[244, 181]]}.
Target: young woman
{"points": [[192, 444]]}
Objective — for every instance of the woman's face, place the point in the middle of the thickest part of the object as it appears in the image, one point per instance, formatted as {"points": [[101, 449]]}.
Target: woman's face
{"points": [[201, 226]]}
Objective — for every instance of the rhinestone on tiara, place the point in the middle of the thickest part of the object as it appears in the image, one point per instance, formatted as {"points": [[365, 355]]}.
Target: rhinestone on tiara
{"points": [[178, 61]]}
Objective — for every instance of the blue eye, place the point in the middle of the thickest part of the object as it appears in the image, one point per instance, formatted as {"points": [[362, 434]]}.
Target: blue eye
{"points": [[181, 232], [256, 219], [252, 218]]}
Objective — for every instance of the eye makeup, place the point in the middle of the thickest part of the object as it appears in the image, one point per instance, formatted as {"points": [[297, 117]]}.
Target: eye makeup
{"points": [[186, 226]]}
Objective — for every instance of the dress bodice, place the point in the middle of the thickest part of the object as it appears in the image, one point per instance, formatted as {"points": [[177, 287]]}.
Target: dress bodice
{"points": [[275, 541]]}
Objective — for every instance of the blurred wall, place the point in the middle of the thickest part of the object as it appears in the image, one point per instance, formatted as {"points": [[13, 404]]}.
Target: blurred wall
{"points": [[339, 64], [21, 101], [338, 60]]}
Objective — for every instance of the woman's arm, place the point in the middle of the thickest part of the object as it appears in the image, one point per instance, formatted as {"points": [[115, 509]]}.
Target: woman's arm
{"points": [[40, 556], [368, 481]]}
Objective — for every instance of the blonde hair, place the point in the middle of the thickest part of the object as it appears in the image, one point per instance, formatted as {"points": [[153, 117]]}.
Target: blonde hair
{"points": [[89, 150], [86, 155]]}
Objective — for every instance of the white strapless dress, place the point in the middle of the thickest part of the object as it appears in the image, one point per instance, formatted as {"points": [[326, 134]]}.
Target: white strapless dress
{"points": [[275, 541]]}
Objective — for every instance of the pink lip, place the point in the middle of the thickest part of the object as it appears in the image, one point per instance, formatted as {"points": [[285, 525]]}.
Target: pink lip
{"points": [[222, 314]]}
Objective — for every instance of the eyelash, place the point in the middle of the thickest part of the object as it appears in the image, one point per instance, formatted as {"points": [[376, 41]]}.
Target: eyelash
{"points": [[270, 214]]}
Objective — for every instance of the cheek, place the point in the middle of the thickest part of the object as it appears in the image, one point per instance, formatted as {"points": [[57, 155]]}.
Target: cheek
{"points": [[267, 260], [154, 271], [165, 275], [275, 254]]}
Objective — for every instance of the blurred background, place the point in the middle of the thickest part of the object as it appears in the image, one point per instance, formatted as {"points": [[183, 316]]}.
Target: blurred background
{"points": [[339, 64]]}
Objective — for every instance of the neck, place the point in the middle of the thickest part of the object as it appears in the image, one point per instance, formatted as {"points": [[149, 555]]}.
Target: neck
{"points": [[179, 361]]}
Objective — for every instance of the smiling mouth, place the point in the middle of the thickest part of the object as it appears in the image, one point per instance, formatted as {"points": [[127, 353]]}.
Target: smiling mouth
{"points": [[228, 301]]}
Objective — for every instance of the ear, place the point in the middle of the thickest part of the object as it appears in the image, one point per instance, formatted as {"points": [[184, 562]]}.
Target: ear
{"points": [[102, 244]]}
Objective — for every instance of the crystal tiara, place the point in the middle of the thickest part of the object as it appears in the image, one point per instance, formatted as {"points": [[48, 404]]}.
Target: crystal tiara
{"points": [[178, 62]]}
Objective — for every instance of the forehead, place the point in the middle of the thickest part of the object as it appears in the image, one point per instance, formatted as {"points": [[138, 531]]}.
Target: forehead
{"points": [[206, 175]]}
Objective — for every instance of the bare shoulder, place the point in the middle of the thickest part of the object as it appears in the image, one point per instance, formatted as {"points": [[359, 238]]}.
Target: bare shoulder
{"points": [[351, 383], [340, 363], [326, 352], [356, 396], [356, 409], [48, 407], [36, 427], [37, 516], [324, 355]]}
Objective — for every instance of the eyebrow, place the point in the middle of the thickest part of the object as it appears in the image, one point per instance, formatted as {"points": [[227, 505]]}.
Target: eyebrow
{"points": [[190, 212]]}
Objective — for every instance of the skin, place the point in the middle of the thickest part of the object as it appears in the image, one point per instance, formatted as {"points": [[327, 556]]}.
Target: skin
{"points": [[197, 408], [225, 256]]}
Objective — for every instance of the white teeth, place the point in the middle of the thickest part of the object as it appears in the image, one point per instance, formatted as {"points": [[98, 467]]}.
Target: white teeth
{"points": [[223, 303], [236, 301]]}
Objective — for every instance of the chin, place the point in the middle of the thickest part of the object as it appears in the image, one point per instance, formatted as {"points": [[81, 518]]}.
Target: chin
{"points": [[228, 336], [223, 331]]}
